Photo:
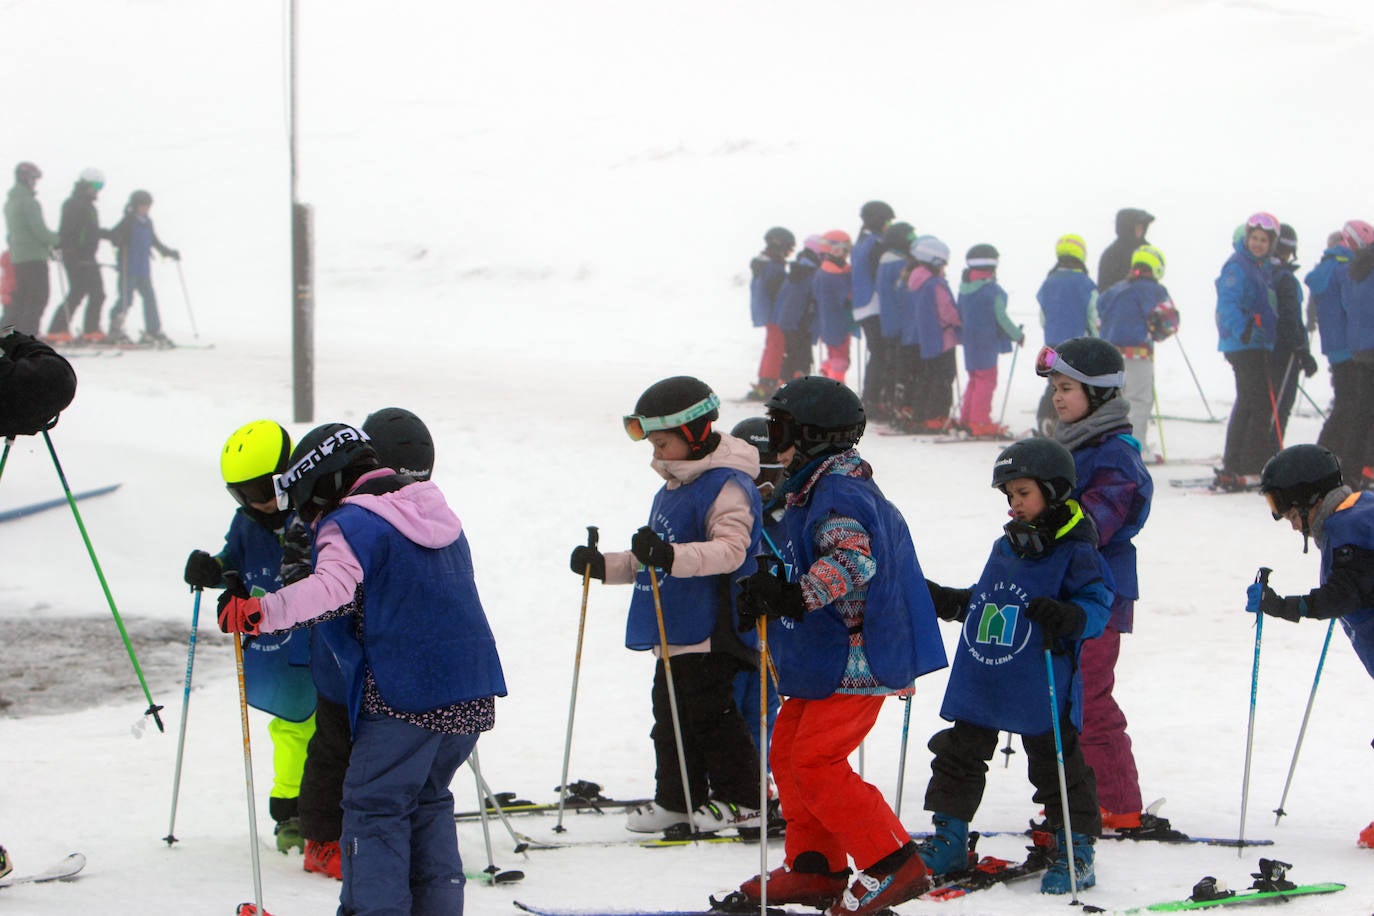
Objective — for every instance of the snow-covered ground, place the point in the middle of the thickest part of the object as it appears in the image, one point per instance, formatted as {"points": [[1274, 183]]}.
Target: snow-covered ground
{"points": [[529, 211]]}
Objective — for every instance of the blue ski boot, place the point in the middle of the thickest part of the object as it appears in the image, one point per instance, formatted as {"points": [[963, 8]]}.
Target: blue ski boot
{"points": [[947, 850], [1056, 878]]}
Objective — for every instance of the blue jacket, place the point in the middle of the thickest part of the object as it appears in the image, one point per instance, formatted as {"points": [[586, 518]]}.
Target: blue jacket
{"points": [[900, 630], [1352, 526], [1115, 489], [692, 605], [1246, 309], [794, 308], [999, 680], [767, 276], [1066, 298], [276, 666], [835, 318], [1358, 296], [983, 336], [423, 632], [863, 262], [1324, 281], [1125, 309]]}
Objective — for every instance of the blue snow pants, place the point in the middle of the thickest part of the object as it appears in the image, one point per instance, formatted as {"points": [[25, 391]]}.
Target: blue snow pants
{"points": [[400, 842]]}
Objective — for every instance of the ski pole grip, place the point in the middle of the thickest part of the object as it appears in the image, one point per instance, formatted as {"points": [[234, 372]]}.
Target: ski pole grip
{"points": [[593, 535], [765, 562], [1262, 577]]}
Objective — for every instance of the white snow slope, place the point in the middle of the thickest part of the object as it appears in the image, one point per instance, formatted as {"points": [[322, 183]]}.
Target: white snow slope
{"points": [[529, 211]]}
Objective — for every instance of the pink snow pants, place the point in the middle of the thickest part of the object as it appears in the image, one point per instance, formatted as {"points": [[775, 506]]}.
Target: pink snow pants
{"points": [[977, 407], [1106, 746]]}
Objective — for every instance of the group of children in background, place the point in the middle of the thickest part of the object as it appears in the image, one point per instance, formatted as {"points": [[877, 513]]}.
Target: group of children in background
{"points": [[24, 284]]}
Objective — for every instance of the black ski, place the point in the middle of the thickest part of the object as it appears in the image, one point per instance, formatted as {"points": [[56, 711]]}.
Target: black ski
{"points": [[9, 515], [582, 796], [990, 871]]}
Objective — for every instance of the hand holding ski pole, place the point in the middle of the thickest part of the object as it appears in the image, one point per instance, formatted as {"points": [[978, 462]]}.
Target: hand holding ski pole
{"points": [[767, 594]]}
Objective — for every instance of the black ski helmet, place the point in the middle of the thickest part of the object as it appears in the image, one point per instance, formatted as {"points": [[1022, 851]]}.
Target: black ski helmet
{"points": [[876, 214], [982, 257], [27, 173], [683, 404], [821, 416], [140, 199], [1089, 360], [898, 237], [779, 240], [755, 431], [1288, 240], [1298, 477], [1043, 460], [402, 441], [324, 465]]}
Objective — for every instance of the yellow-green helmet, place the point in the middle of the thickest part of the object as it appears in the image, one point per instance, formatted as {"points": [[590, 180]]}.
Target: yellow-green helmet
{"points": [[253, 455], [1071, 246], [1151, 257]]}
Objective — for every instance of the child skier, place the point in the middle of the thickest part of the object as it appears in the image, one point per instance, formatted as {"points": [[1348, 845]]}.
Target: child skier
{"points": [[1327, 305], [987, 332], [1045, 584], [276, 666], [704, 530], [1068, 308], [1136, 313], [858, 626], [135, 239], [885, 368], [875, 216], [1115, 490], [393, 560], [768, 270], [934, 330], [831, 288], [1303, 486], [1292, 351], [796, 310]]}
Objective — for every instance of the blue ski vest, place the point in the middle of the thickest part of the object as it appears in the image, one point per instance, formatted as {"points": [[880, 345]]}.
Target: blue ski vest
{"points": [[424, 636], [925, 329], [794, 299], [892, 300], [999, 680], [1064, 297], [863, 264], [1125, 310], [768, 275], [692, 605], [1324, 281], [982, 337], [834, 319], [900, 629], [276, 666], [1353, 526]]}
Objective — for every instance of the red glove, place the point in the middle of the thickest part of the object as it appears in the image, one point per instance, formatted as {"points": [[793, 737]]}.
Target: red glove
{"points": [[239, 615]]}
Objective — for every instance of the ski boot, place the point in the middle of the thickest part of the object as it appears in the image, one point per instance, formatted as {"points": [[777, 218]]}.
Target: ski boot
{"points": [[156, 340], [1056, 878], [288, 830], [1366, 839], [807, 881], [891, 880], [651, 817], [324, 859], [6, 863], [715, 816], [947, 849]]}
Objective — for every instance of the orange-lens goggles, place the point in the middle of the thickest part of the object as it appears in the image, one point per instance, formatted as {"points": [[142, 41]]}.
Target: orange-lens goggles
{"points": [[638, 427]]}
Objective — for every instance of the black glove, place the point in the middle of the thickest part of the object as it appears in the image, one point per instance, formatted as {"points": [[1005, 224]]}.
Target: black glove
{"points": [[949, 602], [202, 570], [652, 550], [1308, 363], [586, 559], [1057, 618], [767, 595], [295, 552], [1275, 605]]}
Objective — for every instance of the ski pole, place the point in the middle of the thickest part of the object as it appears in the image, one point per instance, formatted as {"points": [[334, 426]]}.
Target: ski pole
{"points": [[672, 697], [1262, 577], [5, 456], [1006, 395], [1307, 714], [153, 708], [481, 783], [1189, 363], [488, 799], [1321, 413], [234, 582], [901, 755], [1274, 414], [592, 536], [1006, 752], [1059, 763], [763, 760], [187, 298], [171, 837]]}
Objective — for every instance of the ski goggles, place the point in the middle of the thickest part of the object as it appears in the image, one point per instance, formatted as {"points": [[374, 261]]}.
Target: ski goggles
{"points": [[1048, 361], [1278, 505], [782, 433], [258, 490], [638, 427], [1266, 221]]}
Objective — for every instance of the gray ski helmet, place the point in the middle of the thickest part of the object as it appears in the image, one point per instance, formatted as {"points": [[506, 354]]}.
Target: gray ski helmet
{"points": [[755, 431], [876, 214], [1298, 477], [819, 415], [683, 404], [402, 441], [140, 199], [1091, 361], [324, 464], [1043, 460], [27, 173], [779, 240]]}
